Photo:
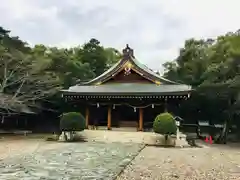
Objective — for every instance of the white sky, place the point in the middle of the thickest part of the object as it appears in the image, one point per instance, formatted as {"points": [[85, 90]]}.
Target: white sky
{"points": [[155, 29]]}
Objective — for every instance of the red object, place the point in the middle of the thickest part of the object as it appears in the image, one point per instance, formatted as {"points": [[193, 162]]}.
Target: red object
{"points": [[210, 140], [206, 139]]}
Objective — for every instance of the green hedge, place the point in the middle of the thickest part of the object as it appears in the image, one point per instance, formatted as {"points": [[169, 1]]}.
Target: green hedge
{"points": [[165, 124], [72, 121]]}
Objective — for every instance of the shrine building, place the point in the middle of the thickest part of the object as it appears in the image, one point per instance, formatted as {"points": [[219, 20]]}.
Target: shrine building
{"points": [[129, 94]]}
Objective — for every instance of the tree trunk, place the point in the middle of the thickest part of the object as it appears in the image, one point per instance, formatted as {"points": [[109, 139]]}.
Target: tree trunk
{"points": [[65, 136], [71, 134], [222, 139], [166, 138], [223, 136]]}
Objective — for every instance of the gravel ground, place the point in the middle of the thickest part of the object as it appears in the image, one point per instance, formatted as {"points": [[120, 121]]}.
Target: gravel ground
{"points": [[209, 163], [70, 161]]}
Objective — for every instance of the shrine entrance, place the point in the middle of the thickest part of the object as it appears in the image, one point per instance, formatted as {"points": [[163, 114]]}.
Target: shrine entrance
{"points": [[125, 116]]}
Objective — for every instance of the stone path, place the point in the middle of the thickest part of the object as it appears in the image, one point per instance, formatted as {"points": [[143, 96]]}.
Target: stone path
{"points": [[11, 147], [32, 159], [129, 137], [75, 161], [210, 163]]}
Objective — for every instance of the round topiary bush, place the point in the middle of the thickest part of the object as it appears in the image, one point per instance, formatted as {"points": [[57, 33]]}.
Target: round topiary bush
{"points": [[72, 121], [165, 124]]}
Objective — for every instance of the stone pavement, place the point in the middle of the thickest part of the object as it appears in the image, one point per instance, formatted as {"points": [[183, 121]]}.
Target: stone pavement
{"points": [[209, 163], [75, 161], [149, 138], [14, 146], [36, 158]]}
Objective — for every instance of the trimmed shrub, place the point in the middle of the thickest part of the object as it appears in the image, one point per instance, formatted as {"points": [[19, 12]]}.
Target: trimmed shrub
{"points": [[72, 121], [165, 124]]}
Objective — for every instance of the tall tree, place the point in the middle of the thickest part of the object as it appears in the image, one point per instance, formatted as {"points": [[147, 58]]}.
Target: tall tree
{"points": [[213, 68], [23, 81], [94, 54], [112, 55]]}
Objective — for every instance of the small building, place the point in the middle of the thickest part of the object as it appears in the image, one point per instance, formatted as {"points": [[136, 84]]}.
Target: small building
{"points": [[128, 94]]}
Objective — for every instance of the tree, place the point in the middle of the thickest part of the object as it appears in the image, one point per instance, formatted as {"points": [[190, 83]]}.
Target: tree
{"points": [[212, 67], [23, 80], [30, 78], [112, 56], [190, 64], [71, 122], [165, 124], [94, 54], [68, 66]]}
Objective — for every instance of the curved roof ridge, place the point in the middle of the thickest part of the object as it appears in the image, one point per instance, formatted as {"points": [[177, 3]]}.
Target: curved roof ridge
{"points": [[146, 68], [105, 73], [128, 55]]}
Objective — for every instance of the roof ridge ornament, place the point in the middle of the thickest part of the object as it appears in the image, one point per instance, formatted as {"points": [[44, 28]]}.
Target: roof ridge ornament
{"points": [[128, 52]]}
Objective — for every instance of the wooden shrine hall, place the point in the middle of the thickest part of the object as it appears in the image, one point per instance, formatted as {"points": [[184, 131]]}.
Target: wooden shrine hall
{"points": [[129, 94]]}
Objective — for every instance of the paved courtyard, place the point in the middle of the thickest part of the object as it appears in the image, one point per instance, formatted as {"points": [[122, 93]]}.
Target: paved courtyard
{"points": [[209, 163], [30, 159], [84, 161]]}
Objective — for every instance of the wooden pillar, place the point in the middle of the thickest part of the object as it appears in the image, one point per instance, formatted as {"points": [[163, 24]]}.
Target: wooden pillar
{"points": [[109, 120], [87, 117], [140, 128]]}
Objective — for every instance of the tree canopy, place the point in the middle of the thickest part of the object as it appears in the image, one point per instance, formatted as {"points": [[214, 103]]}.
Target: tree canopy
{"points": [[212, 68], [28, 76]]}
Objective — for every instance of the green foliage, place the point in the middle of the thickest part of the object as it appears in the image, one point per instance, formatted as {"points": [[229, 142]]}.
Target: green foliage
{"points": [[94, 54], [165, 124], [31, 76], [24, 80], [212, 67], [72, 121], [112, 55]]}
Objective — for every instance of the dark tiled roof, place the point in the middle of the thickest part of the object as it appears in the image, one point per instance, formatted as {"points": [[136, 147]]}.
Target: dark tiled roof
{"points": [[166, 86], [138, 65], [129, 88]]}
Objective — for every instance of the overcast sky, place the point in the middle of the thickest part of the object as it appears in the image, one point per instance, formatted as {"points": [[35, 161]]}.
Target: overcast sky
{"points": [[155, 29]]}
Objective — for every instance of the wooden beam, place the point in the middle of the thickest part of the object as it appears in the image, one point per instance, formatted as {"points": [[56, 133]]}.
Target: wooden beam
{"points": [[109, 120], [87, 117], [140, 128]]}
